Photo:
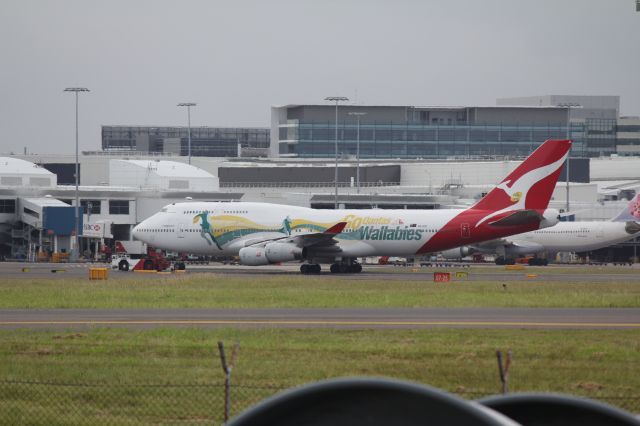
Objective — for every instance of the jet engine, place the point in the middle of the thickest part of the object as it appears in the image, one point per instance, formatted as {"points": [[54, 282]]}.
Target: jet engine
{"points": [[458, 252], [283, 252], [271, 253], [550, 217], [253, 256]]}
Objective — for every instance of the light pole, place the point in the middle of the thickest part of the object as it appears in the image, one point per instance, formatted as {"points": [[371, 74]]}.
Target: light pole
{"points": [[188, 105], [358, 115], [336, 99], [76, 243]]}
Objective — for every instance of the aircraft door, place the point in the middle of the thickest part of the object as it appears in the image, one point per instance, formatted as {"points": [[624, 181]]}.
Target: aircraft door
{"points": [[180, 231], [465, 230], [599, 230]]}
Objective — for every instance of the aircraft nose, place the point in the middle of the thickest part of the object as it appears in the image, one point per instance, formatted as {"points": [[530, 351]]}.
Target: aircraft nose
{"points": [[136, 231]]}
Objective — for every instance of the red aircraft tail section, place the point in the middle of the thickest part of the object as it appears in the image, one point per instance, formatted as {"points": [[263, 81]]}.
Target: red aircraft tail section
{"points": [[531, 184], [516, 205]]}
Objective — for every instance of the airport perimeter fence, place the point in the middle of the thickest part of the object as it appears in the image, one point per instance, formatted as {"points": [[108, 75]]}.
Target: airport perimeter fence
{"points": [[78, 403]]}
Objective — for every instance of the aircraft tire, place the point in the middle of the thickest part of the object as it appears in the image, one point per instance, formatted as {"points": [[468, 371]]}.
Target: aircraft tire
{"points": [[304, 269], [344, 268], [500, 260], [335, 268], [356, 268], [315, 269], [123, 266]]}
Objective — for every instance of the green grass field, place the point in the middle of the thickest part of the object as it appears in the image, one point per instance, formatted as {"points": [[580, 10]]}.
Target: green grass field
{"points": [[211, 290], [173, 376], [99, 374]]}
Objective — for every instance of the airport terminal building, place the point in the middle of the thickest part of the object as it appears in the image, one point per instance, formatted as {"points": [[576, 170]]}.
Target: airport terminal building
{"points": [[205, 141], [514, 127], [37, 214], [408, 132]]}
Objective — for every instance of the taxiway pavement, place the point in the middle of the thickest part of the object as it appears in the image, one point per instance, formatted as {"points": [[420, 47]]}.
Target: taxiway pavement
{"points": [[548, 318]]}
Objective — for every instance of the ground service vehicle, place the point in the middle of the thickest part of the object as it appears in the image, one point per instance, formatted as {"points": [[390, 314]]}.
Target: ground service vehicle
{"points": [[136, 255]]}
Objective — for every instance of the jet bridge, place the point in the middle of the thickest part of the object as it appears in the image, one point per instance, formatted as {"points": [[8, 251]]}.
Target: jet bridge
{"points": [[47, 225]]}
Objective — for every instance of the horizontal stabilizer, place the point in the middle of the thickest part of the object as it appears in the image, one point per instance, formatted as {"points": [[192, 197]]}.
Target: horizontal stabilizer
{"points": [[521, 217]]}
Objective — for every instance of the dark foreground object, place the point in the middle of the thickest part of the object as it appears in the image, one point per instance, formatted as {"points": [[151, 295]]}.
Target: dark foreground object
{"points": [[552, 410], [369, 402], [373, 402]]}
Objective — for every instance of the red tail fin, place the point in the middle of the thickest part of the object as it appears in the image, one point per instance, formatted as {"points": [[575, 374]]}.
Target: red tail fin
{"points": [[515, 206], [531, 184]]}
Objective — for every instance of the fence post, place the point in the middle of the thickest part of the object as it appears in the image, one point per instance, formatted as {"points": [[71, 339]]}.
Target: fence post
{"points": [[227, 368], [503, 369]]}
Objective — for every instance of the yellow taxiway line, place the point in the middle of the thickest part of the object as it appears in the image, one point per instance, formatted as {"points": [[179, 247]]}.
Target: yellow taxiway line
{"points": [[325, 323]]}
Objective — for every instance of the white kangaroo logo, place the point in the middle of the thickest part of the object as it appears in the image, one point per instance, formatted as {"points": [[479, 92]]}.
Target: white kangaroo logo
{"points": [[520, 188]]}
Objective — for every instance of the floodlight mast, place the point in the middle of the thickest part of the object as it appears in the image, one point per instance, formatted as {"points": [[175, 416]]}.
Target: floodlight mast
{"points": [[188, 105], [76, 242], [336, 99]]}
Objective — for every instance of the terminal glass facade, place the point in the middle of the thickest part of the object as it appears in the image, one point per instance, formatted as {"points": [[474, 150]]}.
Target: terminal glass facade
{"points": [[314, 139], [599, 137], [205, 141]]}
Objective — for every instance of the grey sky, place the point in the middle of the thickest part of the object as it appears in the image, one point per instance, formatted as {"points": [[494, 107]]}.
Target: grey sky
{"points": [[237, 58]]}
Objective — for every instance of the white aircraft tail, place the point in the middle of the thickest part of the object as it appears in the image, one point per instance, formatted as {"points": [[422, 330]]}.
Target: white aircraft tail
{"points": [[631, 212]]}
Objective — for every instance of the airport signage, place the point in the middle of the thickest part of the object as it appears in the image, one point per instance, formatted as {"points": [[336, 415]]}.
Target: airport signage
{"points": [[441, 277], [99, 229]]}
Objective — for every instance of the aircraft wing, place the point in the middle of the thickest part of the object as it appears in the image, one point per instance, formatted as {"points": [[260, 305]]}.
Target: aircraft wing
{"points": [[325, 238]]}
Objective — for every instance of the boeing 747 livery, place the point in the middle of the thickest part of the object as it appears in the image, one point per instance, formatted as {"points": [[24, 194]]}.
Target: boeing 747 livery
{"points": [[262, 234]]}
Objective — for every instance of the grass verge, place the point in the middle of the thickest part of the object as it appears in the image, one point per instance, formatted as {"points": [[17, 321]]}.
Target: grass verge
{"points": [[211, 290], [173, 375]]}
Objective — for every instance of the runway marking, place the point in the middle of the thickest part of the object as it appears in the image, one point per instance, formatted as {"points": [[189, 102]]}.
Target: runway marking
{"points": [[327, 323]]}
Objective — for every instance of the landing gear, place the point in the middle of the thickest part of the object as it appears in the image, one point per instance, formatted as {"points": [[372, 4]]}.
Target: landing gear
{"points": [[538, 261], [501, 260], [306, 268], [346, 268]]}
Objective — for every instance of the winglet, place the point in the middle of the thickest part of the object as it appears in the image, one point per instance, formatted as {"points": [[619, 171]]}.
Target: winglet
{"points": [[336, 229]]}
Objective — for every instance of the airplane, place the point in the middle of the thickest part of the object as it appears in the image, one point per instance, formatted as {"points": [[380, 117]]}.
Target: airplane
{"points": [[577, 236], [262, 233]]}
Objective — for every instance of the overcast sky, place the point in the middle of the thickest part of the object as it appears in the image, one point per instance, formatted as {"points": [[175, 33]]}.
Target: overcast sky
{"points": [[237, 58]]}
